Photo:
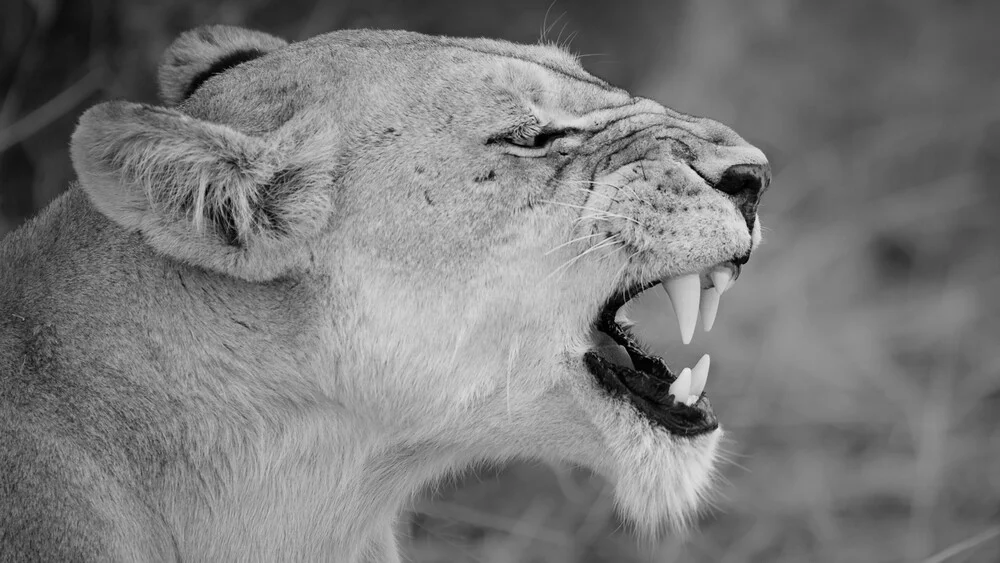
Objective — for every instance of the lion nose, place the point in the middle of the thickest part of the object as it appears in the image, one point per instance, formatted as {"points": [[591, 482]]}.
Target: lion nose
{"points": [[744, 183]]}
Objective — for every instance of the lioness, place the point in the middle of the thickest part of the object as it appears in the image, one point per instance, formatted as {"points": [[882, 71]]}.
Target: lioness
{"points": [[325, 274]]}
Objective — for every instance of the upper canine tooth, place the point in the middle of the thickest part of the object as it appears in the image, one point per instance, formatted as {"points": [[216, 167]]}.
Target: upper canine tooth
{"points": [[681, 387], [709, 307], [721, 278], [699, 375], [685, 294]]}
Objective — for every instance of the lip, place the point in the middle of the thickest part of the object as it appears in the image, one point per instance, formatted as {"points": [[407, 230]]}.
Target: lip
{"points": [[646, 386]]}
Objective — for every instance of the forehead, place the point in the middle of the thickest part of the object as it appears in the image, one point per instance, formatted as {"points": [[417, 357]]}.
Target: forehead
{"points": [[405, 42], [355, 73], [542, 74]]}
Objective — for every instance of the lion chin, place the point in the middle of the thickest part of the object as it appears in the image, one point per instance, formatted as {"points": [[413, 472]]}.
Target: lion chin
{"points": [[321, 276], [660, 482]]}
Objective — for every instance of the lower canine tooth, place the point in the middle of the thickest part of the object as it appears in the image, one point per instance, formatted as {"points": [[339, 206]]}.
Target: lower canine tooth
{"points": [[681, 387], [685, 294], [699, 375]]}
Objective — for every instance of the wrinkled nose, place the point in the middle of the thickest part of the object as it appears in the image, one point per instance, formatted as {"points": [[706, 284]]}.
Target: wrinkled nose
{"points": [[744, 183]]}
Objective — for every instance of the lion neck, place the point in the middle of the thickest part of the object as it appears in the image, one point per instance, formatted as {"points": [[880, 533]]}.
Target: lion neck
{"points": [[302, 471], [254, 444]]}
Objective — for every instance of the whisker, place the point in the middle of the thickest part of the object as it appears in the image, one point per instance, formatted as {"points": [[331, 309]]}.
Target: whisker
{"points": [[628, 261], [585, 190], [574, 240], [593, 182], [595, 217], [585, 208], [569, 40], [634, 193], [566, 265], [546, 29], [610, 241], [559, 37], [602, 216], [609, 255]]}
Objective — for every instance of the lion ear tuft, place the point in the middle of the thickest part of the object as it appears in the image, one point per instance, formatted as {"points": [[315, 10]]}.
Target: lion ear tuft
{"points": [[201, 53], [202, 192]]}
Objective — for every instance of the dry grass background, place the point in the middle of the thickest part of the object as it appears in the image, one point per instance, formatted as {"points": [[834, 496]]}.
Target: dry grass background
{"points": [[857, 363]]}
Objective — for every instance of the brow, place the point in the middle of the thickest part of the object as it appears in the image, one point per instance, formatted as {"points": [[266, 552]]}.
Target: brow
{"points": [[566, 72]]}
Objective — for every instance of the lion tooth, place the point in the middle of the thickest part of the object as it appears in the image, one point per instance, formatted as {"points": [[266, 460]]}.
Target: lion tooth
{"points": [[681, 387], [721, 279], [621, 317], [709, 306], [685, 295], [699, 375]]}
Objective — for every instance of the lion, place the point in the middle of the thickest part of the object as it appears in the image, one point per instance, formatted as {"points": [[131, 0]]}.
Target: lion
{"points": [[324, 275]]}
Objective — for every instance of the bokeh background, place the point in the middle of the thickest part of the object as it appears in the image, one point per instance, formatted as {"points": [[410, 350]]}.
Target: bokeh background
{"points": [[856, 365]]}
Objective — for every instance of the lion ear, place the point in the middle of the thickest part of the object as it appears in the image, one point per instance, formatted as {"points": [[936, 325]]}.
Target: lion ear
{"points": [[199, 54], [203, 192]]}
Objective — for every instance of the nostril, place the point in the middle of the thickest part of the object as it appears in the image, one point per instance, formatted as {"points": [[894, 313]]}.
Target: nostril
{"points": [[744, 184], [744, 180]]}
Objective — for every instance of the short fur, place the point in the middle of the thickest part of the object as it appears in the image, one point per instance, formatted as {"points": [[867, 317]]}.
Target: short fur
{"points": [[324, 277]]}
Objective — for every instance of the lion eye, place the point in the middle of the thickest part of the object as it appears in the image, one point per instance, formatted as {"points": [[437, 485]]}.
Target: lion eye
{"points": [[531, 143], [531, 139], [539, 140]]}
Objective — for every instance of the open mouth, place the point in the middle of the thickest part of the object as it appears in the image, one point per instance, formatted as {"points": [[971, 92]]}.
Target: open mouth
{"points": [[675, 402]]}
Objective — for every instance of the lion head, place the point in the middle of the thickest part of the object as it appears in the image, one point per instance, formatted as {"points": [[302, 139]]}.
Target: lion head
{"points": [[468, 217]]}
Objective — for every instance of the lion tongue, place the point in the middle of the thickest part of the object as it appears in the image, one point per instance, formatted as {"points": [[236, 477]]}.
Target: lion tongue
{"points": [[612, 351], [616, 354]]}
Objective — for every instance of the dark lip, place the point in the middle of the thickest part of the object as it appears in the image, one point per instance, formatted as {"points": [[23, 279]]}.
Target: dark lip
{"points": [[647, 387]]}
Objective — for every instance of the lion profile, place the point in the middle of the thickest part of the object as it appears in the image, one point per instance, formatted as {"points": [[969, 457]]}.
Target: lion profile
{"points": [[325, 274]]}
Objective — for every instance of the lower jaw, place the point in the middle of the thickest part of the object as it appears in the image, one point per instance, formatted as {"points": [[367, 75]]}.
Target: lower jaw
{"points": [[652, 402]]}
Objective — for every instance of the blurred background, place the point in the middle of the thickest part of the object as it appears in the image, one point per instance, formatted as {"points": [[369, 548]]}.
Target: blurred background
{"points": [[856, 364]]}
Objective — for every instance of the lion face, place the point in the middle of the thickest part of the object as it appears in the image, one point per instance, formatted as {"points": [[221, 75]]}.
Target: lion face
{"points": [[474, 214]]}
